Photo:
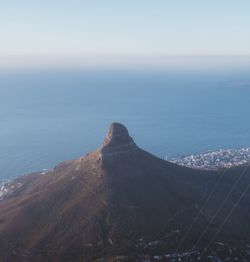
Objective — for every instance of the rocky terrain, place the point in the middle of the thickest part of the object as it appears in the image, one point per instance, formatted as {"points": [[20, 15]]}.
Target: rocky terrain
{"points": [[120, 203]]}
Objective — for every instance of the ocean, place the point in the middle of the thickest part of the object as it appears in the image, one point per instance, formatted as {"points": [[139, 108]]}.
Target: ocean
{"points": [[48, 116]]}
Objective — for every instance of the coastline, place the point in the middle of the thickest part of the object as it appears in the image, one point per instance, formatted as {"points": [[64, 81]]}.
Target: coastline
{"points": [[209, 160]]}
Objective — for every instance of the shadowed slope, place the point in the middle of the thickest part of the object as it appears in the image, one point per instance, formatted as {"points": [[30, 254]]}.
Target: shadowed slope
{"points": [[103, 201]]}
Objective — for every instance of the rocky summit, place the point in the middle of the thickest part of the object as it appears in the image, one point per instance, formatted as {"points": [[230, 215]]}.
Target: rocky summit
{"points": [[121, 203], [117, 142]]}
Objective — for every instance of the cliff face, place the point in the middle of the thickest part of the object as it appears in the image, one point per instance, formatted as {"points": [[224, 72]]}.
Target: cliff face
{"points": [[101, 203], [118, 142]]}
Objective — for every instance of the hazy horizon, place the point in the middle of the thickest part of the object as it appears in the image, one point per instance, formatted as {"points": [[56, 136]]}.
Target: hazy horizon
{"points": [[108, 62], [60, 32]]}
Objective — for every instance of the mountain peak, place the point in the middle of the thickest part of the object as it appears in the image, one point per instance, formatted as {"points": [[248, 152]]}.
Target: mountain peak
{"points": [[117, 132], [117, 141]]}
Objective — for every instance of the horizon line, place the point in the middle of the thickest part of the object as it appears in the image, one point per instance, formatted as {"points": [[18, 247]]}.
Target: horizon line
{"points": [[90, 61]]}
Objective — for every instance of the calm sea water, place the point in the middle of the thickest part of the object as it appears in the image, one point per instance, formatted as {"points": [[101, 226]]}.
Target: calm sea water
{"points": [[50, 116]]}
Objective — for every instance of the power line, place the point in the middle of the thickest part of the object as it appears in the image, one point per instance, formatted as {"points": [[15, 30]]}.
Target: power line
{"points": [[227, 218], [201, 209], [220, 208]]}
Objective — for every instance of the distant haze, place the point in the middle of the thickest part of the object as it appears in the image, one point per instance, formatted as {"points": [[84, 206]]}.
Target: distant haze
{"points": [[63, 32], [142, 63]]}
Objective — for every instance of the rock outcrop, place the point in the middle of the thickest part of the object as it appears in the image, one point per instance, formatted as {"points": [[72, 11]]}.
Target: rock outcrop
{"points": [[117, 142]]}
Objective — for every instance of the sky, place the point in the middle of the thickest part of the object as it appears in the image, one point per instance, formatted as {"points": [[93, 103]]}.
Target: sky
{"points": [[115, 28]]}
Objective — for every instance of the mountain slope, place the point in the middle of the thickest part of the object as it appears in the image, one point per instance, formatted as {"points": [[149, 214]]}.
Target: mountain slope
{"points": [[100, 204]]}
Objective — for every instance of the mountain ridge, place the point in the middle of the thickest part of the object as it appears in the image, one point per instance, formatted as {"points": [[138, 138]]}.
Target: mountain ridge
{"points": [[100, 204]]}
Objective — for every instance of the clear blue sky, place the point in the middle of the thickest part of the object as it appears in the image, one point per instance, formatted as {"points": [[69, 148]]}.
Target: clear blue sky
{"points": [[129, 27]]}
